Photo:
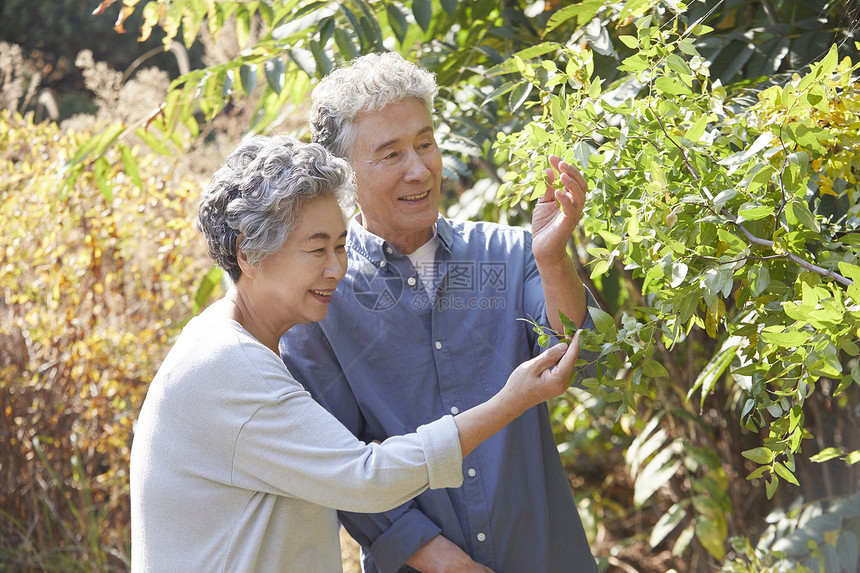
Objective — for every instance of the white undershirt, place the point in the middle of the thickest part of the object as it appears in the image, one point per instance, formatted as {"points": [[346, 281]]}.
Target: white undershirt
{"points": [[424, 261]]}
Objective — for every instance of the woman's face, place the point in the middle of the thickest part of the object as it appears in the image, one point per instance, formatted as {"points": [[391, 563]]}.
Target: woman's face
{"points": [[297, 282]]}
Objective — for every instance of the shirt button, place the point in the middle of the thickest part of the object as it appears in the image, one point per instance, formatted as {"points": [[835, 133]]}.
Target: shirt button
{"points": [[481, 537], [472, 473], [438, 345], [381, 263], [411, 281], [455, 410], [389, 250]]}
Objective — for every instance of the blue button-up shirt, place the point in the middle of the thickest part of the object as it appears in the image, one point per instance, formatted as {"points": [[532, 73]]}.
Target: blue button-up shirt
{"points": [[387, 359]]}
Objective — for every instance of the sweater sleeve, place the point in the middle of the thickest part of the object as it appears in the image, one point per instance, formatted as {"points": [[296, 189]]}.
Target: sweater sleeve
{"points": [[292, 446]]}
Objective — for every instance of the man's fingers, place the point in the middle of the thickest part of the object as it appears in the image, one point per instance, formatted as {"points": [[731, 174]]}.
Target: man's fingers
{"points": [[566, 169], [550, 190]]}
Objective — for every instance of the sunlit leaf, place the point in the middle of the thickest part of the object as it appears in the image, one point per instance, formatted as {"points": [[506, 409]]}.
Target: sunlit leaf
{"points": [[423, 12]]}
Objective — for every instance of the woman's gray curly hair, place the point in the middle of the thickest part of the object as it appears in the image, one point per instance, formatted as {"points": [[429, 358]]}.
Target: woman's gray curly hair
{"points": [[258, 193], [367, 84]]}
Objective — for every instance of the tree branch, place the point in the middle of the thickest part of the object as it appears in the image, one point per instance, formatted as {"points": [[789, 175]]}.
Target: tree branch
{"points": [[790, 256], [752, 238]]}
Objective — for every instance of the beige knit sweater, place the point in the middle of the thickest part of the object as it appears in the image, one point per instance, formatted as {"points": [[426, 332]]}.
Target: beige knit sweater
{"points": [[234, 467]]}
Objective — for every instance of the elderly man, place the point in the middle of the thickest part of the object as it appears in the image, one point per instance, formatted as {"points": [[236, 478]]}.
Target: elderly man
{"points": [[426, 323]]}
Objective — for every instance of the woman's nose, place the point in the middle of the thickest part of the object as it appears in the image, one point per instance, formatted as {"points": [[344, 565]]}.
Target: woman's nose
{"points": [[336, 266]]}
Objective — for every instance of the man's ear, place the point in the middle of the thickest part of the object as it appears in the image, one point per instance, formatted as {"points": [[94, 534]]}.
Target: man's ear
{"points": [[242, 260]]}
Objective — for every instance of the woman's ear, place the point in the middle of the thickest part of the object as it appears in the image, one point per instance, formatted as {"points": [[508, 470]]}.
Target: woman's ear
{"points": [[242, 260]]}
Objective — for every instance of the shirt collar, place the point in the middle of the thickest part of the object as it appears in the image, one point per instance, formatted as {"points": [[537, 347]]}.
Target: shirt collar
{"points": [[377, 250]]}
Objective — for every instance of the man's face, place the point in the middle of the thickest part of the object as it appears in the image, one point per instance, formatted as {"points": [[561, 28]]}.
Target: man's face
{"points": [[398, 169]]}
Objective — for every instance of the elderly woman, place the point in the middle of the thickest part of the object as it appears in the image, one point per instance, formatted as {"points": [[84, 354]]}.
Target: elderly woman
{"points": [[234, 466]]}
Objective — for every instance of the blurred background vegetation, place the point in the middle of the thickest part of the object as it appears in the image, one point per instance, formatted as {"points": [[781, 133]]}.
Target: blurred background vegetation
{"points": [[99, 272]]}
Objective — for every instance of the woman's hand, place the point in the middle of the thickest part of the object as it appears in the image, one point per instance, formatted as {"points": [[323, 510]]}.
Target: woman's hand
{"points": [[537, 381], [532, 383]]}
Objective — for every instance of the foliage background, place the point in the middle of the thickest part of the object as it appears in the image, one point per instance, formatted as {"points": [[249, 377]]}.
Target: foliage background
{"points": [[100, 267]]}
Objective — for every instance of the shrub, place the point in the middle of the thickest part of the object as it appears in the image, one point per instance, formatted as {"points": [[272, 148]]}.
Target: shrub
{"points": [[95, 279]]}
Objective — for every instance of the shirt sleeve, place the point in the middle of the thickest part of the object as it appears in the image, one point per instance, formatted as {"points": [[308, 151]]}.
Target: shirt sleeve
{"points": [[292, 446], [391, 537], [535, 304]]}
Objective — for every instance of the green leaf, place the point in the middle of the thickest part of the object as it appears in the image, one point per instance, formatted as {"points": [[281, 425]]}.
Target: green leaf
{"points": [[758, 472], [582, 11], [345, 44], [226, 87], [716, 367], [129, 165], [789, 339], [683, 540], [827, 454], [759, 455], [629, 41], [499, 91], [761, 279], [248, 78], [206, 287], [760, 175], [152, 141], [600, 268], [798, 212], [677, 64], [243, 26], [397, 21], [101, 173], [323, 63], [274, 70], [634, 63], [570, 327], [667, 523], [644, 444], [520, 94], [582, 154], [423, 12], [752, 212], [98, 144], [656, 474], [697, 130], [538, 50], [450, 6], [723, 197], [603, 321], [712, 537], [785, 473], [671, 86], [654, 369], [851, 272], [770, 486]]}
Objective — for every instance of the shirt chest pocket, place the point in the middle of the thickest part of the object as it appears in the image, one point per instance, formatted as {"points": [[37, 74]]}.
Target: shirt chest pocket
{"points": [[499, 345]]}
